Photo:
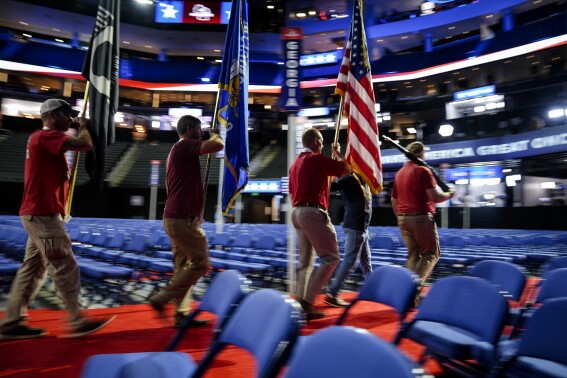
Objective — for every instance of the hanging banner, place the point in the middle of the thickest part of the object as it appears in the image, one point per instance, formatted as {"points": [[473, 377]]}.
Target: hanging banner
{"points": [[291, 92]]}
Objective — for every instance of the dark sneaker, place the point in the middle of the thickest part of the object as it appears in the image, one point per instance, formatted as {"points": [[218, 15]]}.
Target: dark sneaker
{"points": [[88, 327], [335, 301], [22, 332], [196, 323]]}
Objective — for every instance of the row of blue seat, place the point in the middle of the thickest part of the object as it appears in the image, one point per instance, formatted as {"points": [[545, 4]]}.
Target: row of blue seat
{"points": [[460, 323]]}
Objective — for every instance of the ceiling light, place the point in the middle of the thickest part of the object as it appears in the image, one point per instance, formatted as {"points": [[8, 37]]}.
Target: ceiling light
{"points": [[446, 130], [556, 113]]}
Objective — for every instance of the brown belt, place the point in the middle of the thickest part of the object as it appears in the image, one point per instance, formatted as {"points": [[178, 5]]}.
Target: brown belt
{"points": [[309, 205], [412, 214]]}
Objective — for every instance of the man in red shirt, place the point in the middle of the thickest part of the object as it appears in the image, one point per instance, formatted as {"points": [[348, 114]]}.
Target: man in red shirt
{"points": [[309, 189], [46, 184], [182, 215], [414, 196]]}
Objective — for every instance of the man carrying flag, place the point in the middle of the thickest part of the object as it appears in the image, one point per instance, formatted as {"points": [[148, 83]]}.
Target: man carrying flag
{"points": [[233, 104], [101, 70], [354, 84]]}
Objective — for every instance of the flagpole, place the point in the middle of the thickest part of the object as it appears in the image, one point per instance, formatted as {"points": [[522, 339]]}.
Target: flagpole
{"points": [[75, 165], [210, 156], [338, 126]]}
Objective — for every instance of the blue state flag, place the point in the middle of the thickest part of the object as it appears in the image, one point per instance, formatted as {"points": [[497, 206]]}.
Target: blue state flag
{"points": [[233, 104]]}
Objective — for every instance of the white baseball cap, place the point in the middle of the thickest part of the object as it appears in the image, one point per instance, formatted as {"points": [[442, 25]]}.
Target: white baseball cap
{"points": [[55, 104]]}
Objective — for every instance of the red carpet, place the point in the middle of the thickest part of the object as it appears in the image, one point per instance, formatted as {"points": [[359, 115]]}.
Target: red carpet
{"points": [[135, 329]]}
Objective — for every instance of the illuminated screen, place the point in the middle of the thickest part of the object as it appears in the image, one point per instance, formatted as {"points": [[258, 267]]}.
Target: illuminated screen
{"points": [[263, 186], [454, 174], [192, 12]]}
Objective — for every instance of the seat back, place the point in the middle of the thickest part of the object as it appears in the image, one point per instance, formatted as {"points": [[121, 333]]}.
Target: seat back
{"points": [[391, 285], [221, 239], [224, 293], [340, 351], [242, 241], [470, 303], [266, 324], [266, 242], [137, 244], [222, 297], [383, 242], [508, 278], [116, 241], [554, 263], [554, 285], [545, 336]]}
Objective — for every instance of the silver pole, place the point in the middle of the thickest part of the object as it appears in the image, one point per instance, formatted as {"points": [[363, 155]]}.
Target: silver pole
{"points": [[291, 280], [153, 202], [219, 219]]}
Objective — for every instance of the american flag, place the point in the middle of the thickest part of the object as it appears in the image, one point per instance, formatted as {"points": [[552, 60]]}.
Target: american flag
{"points": [[355, 85]]}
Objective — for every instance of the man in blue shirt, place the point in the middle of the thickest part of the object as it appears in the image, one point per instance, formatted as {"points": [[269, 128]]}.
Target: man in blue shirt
{"points": [[358, 211]]}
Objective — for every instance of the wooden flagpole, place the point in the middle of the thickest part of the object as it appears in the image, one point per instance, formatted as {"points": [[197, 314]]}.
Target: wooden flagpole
{"points": [[338, 126], [210, 156], [75, 165]]}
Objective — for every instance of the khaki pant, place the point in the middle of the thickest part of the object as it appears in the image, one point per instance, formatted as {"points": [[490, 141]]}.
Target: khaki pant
{"points": [[419, 233], [190, 261], [314, 232], [48, 249]]}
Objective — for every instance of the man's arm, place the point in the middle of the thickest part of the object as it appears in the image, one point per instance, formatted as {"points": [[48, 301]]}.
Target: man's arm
{"points": [[437, 196], [340, 157], [82, 142], [212, 145]]}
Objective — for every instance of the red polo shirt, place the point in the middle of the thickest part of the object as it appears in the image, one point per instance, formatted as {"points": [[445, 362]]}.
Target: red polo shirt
{"points": [[410, 189], [183, 180], [308, 178], [46, 177]]}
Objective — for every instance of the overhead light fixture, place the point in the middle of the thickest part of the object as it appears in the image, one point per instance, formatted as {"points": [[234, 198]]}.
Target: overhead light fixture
{"points": [[548, 185], [556, 113], [411, 130], [446, 130]]}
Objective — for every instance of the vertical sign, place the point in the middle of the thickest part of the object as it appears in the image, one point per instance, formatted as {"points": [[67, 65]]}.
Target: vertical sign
{"points": [[154, 173], [291, 93], [154, 183]]}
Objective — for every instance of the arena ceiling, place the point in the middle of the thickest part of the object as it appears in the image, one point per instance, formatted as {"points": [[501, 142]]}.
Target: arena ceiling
{"points": [[62, 18]]}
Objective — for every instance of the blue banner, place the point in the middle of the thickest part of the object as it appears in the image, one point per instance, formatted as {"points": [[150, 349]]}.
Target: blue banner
{"points": [[291, 91], [233, 104], [540, 142]]}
